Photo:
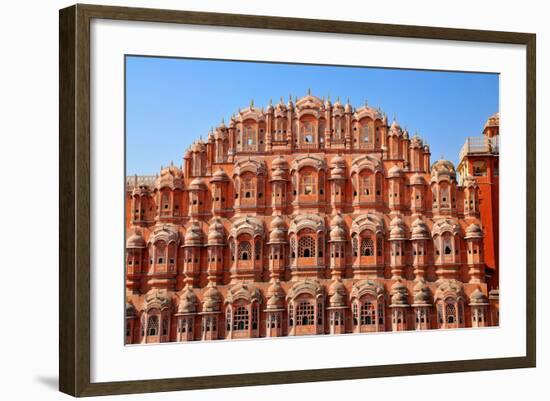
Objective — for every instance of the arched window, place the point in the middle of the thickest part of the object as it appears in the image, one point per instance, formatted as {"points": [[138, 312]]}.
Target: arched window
{"points": [[367, 247], [368, 313], [305, 314], [228, 319], [248, 137], [450, 312], [293, 248], [365, 185], [258, 250], [306, 247], [365, 136], [245, 250], [307, 133], [354, 246], [153, 326], [240, 318], [308, 184], [165, 201], [248, 188], [355, 314]]}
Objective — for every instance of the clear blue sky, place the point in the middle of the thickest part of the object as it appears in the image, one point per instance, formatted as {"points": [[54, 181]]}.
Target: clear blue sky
{"points": [[171, 102]]}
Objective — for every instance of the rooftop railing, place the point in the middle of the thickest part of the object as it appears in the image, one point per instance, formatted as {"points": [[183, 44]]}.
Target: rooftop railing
{"points": [[479, 144], [133, 181]]}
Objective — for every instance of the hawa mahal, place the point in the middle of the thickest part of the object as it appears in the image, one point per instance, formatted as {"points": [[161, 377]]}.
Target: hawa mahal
{"points": [[312, 217]]}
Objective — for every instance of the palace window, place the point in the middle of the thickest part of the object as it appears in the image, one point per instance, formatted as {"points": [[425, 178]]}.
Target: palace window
{"points": [[365, 135], [165, 326], [244, 250], [320, 313], [153, 326], [293, 248], [305, 313], [240, 318], [307, 133], [365, 186], [228, 319], [306, 247], [308, 184], [258, 250], [248, 137], [354, 245], [355, 314], [248, 189], [368, 313], [367, 247], [290, 315], [450, 312]]}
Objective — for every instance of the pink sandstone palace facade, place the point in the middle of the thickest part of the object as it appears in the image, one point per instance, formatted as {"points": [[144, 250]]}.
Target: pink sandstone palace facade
{"points": [[312, 218]]}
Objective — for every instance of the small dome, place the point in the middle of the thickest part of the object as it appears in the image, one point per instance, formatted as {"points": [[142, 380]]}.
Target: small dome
{"points": [[279, 163], [197, 184], [395, 171], [337, 172], [211, 299], [219, 175], [277, 236], [443, 168], [399, 294], [416, 142], [337, 233], [422, 295], [493, 121], [395, 129], [135, 240], [188, 301], [130, 310], [194, 235], [337, 293], [478, 298], [216, 233], [171, 177], [338, 160], [275, 296], [419, 230], [473, 231], [417, 179], [397, 231], [348, 108], [278, 231], [338, 105]]}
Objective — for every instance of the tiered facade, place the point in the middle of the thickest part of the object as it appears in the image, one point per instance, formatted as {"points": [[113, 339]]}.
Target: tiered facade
{"points": [[306, 218]]}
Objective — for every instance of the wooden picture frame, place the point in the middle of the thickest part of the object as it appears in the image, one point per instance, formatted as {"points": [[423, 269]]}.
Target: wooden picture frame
{"points": [[75, 207]]}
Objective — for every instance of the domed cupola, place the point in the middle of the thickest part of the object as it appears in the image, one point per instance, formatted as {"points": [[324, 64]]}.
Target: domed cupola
{"points": [[275, 296], [395, 172], [277, 234], [422, 296], [473, 231], [337, 232], [337, 294], [419, 230], [216, 232], [399, 294], [135, 241], [194, 235], [188, 301], [170, 177], [219, 176], [443, 169], [395, 129], [397, 230], [212, 299], [478, 298]]}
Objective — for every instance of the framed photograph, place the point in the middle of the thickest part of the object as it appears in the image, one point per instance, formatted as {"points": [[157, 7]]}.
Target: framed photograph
{"points": [[249, 200]]}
